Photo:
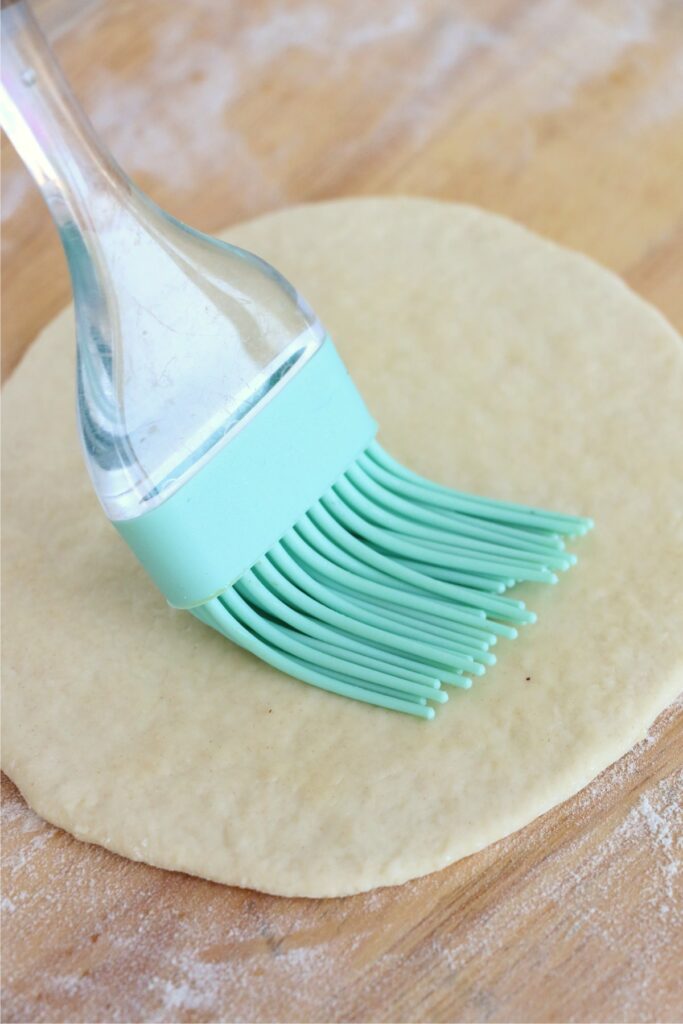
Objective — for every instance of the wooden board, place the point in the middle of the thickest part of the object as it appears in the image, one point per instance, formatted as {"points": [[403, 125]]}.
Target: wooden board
{"points": [[566, 114]]}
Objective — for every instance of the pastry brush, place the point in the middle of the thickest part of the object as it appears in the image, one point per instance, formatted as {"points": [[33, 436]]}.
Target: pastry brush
{"points": [[232, 452]]}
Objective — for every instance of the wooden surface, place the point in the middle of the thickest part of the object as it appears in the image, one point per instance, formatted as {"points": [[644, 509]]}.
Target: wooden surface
{"points": [[567, 115]]}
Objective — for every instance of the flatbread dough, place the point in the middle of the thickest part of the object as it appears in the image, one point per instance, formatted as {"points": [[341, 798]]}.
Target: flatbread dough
{"points": [[494, 361]]}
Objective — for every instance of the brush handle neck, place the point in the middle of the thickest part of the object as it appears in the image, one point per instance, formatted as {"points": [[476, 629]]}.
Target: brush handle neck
{"points": [[180, 337], [51, 133]]}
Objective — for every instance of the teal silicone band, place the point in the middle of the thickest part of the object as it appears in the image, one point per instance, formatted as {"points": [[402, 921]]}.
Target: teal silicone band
{"points": [[218, 524]]}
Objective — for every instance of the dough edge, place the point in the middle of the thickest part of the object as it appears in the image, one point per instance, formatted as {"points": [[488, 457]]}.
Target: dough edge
{"points": [[397, 872]]}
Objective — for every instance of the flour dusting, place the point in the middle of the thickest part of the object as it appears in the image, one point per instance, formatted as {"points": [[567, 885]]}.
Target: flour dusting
{"points": [[176, 116], [160, 946]]}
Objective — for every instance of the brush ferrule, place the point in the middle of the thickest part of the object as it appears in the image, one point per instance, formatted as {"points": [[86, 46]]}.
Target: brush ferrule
{"points": [[237, 506]]}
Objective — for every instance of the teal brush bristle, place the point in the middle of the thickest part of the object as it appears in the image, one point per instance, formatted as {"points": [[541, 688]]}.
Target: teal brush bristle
{"points": [[391, 586], [304, 542]]}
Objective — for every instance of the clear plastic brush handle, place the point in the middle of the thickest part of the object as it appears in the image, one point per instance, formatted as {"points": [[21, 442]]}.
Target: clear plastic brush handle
{"points": [[180, 337]]}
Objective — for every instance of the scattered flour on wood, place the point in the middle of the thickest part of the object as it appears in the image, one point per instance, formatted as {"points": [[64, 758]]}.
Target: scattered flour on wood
{"points": [[175, 116], [165, 947]]}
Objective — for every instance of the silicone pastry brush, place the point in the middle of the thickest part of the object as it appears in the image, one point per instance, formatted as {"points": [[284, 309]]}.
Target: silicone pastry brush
{"points": [[230, 449]]}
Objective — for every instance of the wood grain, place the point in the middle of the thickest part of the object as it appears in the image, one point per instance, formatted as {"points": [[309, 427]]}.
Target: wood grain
{"points": [[566, 115]]}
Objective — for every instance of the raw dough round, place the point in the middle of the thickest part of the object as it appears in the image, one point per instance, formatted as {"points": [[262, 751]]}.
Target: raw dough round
{"points": [[494, 361]]}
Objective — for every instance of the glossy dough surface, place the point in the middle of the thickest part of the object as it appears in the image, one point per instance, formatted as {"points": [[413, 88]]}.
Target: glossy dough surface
{"points": [[494, 361]]}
